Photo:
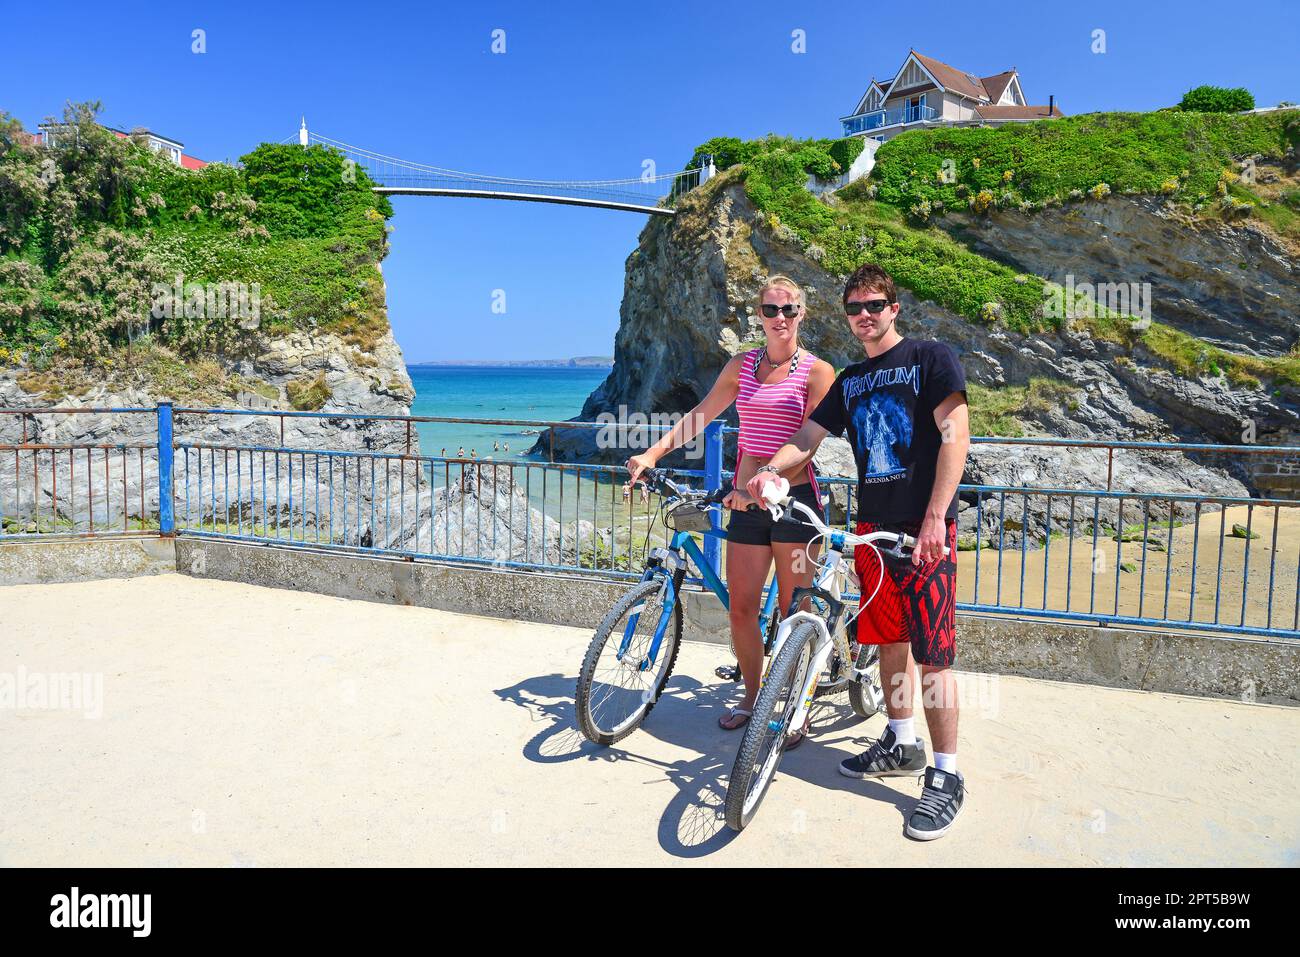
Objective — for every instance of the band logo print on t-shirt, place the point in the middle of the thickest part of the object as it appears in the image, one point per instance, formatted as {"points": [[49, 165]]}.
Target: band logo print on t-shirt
{"points": [[882, 425]]}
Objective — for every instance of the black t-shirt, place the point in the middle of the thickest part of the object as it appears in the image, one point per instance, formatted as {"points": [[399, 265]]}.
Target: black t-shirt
{"points": [[887, 404]]}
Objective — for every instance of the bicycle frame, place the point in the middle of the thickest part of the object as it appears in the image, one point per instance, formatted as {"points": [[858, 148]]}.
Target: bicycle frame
{"points": [[666, 563], [828, 585]]}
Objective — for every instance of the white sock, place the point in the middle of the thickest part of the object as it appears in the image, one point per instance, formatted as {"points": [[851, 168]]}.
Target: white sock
{"points": [[904, 730], [947, 763]]}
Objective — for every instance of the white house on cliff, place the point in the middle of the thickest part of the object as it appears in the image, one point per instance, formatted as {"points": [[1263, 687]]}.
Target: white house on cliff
{"points": [[927, 93]]}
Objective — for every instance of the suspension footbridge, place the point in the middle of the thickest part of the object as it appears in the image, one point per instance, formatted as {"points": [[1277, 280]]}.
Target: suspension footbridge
{"points": [[650, 193]]}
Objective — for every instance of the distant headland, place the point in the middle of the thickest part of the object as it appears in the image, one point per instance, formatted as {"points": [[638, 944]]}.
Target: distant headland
{"points": [[577, 362]]}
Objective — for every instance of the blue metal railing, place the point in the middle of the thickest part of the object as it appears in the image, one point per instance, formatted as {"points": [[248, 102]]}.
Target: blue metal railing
{"points": [[879, 119], [1100, 555]]}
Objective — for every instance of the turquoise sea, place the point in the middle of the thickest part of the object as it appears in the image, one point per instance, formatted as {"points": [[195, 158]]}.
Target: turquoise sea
{"points": [[495, 392]]}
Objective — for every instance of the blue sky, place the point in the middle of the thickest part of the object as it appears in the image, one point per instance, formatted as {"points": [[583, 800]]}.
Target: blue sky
{"points": [[582, 91]]}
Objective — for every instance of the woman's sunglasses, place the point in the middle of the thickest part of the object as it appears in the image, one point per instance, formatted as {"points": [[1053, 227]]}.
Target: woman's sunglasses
{"points": [[873, 306], [789, 310]]}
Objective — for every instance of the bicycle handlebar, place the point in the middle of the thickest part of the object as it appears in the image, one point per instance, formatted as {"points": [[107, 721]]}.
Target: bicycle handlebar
{"points": [[780, 503], [659, 480]]}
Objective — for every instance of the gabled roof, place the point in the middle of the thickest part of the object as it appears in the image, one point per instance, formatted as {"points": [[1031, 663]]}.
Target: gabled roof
{"points": [[873, 85], [988, 111], [985, 91], [996, 85], [950, 78]]}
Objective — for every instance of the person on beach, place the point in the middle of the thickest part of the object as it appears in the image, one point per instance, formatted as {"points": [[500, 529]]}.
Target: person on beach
{"points": [[774, 387], [904, 408]]}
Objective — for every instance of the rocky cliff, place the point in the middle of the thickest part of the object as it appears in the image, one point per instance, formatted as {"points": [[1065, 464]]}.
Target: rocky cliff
{"points": [[125, 280], [692, 282]]}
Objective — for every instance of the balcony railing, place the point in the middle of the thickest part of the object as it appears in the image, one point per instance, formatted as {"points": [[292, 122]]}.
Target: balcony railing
{"points": [[879, 119]]}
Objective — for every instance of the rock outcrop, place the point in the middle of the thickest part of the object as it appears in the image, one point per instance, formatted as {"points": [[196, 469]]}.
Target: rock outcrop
{"points": [[230, 478], [120, 487], [692, 284]]}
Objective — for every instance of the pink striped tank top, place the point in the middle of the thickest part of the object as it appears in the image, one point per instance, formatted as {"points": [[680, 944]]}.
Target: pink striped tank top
{"points": [[771, 412]]}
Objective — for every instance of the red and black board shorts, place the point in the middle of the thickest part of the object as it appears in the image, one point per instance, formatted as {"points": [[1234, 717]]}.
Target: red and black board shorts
{"points": [[915, 603]]}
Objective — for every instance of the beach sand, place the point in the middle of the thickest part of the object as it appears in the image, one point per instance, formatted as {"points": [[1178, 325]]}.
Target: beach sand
{"points": [[248, 726]]}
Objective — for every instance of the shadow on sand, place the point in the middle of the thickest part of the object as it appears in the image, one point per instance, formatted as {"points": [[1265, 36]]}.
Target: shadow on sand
{"points": [[686, 716]]}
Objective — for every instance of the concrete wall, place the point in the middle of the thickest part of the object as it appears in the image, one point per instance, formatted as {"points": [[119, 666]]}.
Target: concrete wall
{"points": [[1277, 475], [859, 168], [1259, 670], [36, 563], [1181, 663]]}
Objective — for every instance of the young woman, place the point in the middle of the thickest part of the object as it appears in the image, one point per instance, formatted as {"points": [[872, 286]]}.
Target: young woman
{"points": [[774, 389]]}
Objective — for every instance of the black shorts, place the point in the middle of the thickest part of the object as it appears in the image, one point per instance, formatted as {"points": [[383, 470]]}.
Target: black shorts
{"points": [[755, 526]]}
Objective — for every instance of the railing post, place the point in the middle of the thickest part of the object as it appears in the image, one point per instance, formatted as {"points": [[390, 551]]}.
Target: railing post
{"points": [[712, 481], [166, 517], [707, 169]]}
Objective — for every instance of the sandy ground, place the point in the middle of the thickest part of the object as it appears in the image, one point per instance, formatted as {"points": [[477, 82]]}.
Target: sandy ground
{"points": [[245, 726]]}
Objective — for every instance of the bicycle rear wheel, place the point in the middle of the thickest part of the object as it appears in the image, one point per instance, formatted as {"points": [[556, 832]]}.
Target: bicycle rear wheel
{"points": [[764, 738], [615, 693]]}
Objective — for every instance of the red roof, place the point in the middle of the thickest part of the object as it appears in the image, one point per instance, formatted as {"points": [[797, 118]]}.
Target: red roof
{"points": [[952, 78], [988, 112], [997, 85]]}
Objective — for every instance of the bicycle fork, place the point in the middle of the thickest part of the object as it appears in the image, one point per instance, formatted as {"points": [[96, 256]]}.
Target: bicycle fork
{"points": [[819, 659], [668, 596]]}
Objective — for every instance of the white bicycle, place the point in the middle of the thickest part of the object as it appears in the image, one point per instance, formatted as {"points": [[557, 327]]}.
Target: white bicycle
{"points": [[806, 644]]}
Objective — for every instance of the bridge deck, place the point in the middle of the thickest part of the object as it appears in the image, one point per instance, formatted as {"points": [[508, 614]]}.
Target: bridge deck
{"points": [[525, 197], [244, 725]]}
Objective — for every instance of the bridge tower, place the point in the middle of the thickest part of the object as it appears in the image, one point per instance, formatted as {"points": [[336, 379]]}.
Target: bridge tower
{"points": [[302, 133]]}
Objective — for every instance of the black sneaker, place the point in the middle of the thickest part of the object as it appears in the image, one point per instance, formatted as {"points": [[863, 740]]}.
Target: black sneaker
{"points": [[941, 802], [886, 758]]}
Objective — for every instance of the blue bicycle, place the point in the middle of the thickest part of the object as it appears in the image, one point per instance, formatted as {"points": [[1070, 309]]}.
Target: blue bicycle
{"points": [[632, 653]]}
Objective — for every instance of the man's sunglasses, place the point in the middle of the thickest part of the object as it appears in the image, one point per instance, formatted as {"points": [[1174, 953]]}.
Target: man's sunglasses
{"points": [[789, 310], [873, 306]]}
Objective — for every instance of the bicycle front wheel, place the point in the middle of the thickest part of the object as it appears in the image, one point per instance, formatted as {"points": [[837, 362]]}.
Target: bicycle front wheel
{"points": [[764, 738], [618, 686]]}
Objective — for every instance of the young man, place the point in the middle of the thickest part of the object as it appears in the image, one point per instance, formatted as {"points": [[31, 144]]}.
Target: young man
{"points": [[904, 408]]}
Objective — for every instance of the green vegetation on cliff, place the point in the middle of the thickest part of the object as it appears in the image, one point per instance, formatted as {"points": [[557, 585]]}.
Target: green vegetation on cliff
{"points": [[888, 218], [93, 228], [1002, 410], [1181, 154]]}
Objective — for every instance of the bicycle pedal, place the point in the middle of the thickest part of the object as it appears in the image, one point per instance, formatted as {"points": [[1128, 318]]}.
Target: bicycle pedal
{"points": [[727, 672]]}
